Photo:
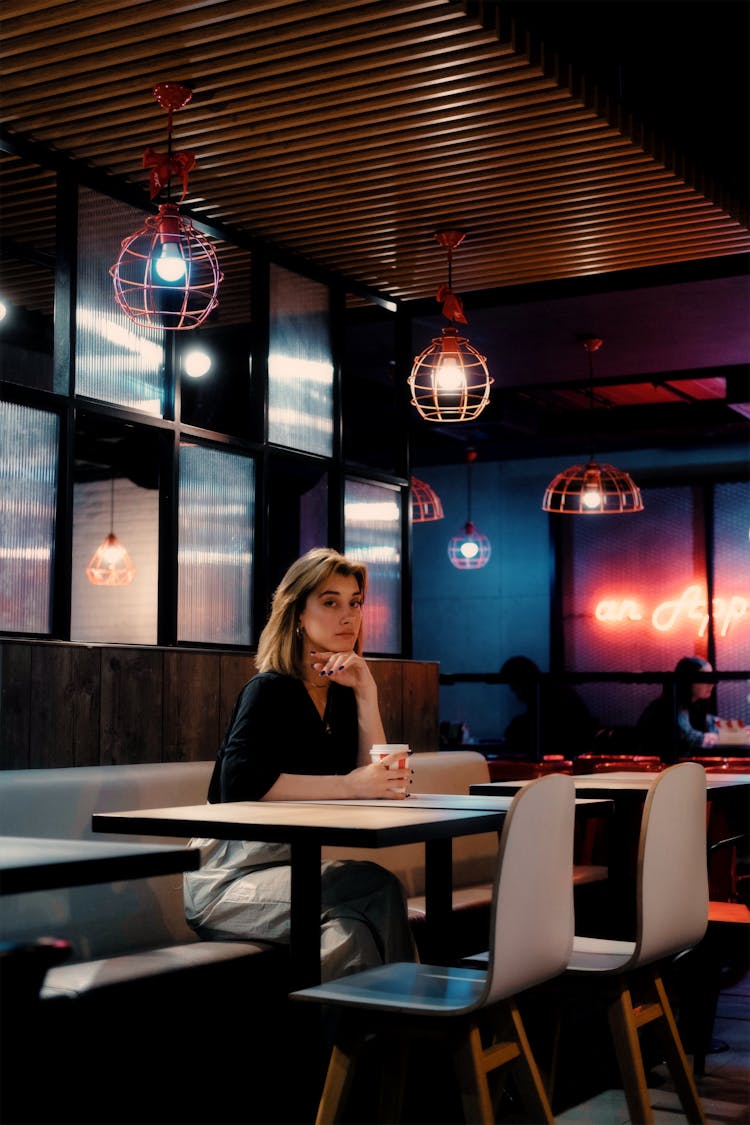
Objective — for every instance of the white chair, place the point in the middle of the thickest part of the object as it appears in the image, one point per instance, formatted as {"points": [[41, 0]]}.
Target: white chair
{"points": [[531, 941], [672, 913]]}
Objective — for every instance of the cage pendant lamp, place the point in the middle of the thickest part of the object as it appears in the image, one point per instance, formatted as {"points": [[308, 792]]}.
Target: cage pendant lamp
{"points": [[593, 488], [167, 274], [425, 502], [470, 549], [111, 565], [449, 380]]}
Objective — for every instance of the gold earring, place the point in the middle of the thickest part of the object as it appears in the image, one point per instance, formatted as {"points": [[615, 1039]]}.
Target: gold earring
{"points": [[299, 630]]}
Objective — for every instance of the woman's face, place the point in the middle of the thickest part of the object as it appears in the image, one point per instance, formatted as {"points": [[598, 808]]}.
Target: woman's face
{"points": [[332, 616]]}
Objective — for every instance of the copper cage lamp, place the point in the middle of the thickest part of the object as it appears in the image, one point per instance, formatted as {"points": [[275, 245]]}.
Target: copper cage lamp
{"points": [[425, 502], [594, 488], [167, 274], [470, 549], [449, 380]]}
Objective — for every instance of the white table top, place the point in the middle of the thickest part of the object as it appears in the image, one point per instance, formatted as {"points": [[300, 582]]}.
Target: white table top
{"points": [[34, 863], [357, 824]]}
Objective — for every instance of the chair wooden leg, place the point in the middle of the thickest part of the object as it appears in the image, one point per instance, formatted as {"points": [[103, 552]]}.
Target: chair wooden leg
{"points": [[676, 1060], [624, 1030], [472, 1077], [527, 1074], [338, 1080]]}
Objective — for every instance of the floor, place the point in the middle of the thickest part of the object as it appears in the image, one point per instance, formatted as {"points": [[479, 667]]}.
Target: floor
{"points": [[724, 1089]]}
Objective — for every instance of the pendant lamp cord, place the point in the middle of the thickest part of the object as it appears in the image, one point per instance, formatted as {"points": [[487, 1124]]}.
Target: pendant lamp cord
{"points": [[112, 505], [169, 153]]}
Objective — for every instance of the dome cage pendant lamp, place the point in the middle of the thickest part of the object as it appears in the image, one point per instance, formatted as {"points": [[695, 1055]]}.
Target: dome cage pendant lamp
{"points": [[425, 502], [449, 380], [470, 550], [167, 274], [111, 565], [595, 488]]}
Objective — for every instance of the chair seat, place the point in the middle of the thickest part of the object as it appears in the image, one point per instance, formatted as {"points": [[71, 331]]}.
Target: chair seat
{"points": [[599, 955], [404, 986]]}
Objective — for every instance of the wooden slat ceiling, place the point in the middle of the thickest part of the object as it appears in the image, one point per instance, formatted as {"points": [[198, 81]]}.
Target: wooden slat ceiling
{"points": [[349, 131]]}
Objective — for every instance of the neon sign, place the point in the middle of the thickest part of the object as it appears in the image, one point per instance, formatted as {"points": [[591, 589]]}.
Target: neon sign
{"points": [[689, 606]]}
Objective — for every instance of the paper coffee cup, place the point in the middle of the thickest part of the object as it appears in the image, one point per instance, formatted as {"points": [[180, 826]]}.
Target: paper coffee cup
{"points": [[382, 750]]}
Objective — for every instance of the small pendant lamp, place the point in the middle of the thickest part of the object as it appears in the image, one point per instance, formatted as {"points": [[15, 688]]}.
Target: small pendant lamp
{"points": [[594, 488], [449, 380], [111, 565], [425, 502], [469, 550], [167, 274]]}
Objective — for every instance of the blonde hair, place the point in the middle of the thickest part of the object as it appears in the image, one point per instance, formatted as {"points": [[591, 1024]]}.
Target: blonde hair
{"points": [[281, 644]]}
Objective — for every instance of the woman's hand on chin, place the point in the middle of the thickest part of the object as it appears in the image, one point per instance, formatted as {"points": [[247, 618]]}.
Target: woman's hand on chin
{"points": [[347, 668]]}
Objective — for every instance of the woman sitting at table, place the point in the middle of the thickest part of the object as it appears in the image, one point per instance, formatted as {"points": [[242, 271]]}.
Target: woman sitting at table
{"points": [[677, 724], [302, 729]]}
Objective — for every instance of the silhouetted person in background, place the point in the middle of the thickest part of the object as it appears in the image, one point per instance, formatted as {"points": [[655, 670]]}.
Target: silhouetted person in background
{"points": [[677, 724], [556, 720]]}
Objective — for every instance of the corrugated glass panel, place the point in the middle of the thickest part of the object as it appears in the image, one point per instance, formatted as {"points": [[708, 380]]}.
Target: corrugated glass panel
{"points": [[372, 534], [119, 614], [300, 367], [116, 359], [732, 595], [215, 555], [28, 491]]}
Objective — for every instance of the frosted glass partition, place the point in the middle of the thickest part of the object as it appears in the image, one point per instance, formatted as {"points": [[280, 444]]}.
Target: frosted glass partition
{"points": [[116, 360], [300, 368], [120, 614], [372, 534], [28, 490], [215, 554]]}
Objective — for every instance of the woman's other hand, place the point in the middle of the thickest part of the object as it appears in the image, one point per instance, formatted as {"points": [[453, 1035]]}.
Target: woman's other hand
{"points": [[380, 781]]}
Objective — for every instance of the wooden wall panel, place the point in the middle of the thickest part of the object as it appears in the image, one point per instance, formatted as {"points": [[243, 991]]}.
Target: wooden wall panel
{"points": [[131, 711], [191, 712], [421, 693], [387, 675], [15, 705], [66, 694], [64, 704]]}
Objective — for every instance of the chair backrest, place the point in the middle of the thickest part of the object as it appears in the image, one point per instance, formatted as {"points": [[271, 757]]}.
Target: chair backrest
{"points": [[672, 879], [531, 935]]}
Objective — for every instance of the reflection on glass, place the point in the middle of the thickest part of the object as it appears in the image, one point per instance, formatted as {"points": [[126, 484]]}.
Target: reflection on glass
{"points": [[116, 360], [215, 553], [300, 368], [372, 534], [125, 614], [28, 490], [27, 274], [732, 595]]}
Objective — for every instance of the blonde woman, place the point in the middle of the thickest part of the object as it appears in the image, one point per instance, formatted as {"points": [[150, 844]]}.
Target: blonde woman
{"points": [[302, 729]]}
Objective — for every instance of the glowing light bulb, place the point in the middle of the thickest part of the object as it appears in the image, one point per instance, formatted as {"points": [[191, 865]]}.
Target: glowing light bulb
{"points": [[450, 376], [3, 309], [469, 549], [592, 497], [170, 265], [196, 363]]}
